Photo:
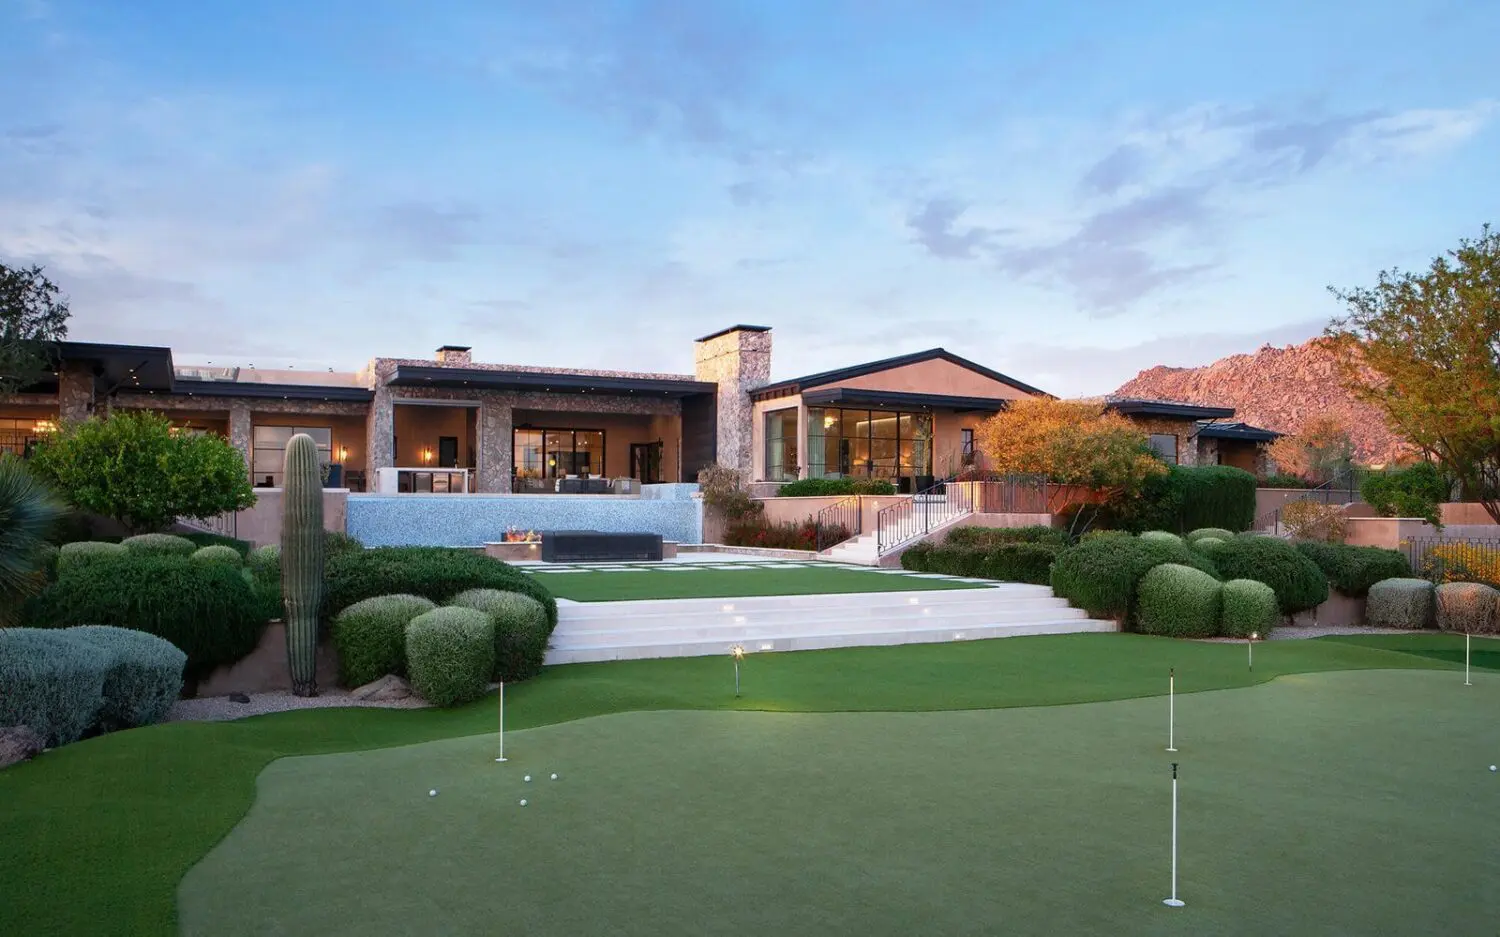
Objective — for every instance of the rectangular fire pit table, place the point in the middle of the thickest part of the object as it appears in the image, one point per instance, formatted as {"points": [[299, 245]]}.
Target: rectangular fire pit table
{"points": [[581, 546]]}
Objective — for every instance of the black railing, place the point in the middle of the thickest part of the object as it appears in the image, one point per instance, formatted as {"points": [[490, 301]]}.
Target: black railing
{"points": [[1460, 559], [1012, 494], [838, 522], [225, 525], [1342, 488], [914, 517]]}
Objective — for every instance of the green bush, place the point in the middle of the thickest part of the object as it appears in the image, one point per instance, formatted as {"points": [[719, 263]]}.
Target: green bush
{"points": [[159, 543], [75, 555], [521, 630], [336, 541], [204, 539], [1100, 574], [144, 677], [265, 563], [371, 636], [1283, 480], [1468, 608], [1298, 582], [28, 513], [987, 536], [218, 553], [432, 572], [46, 561], [1401, 603], [1161, 536], [1005, 562], [209, 610], [1353, 570], [835, 487], [916, 557], [1217, 533], [1416, 491], [1178, 601], [51, 682], [1216, 496], [1207, 545], [450, 653], [1250, 608]]}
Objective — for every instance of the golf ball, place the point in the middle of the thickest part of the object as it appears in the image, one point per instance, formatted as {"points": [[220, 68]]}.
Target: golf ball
{"points": [[523, 803], [527, 778], [1492, 767], [554, 777], [432, 793]]}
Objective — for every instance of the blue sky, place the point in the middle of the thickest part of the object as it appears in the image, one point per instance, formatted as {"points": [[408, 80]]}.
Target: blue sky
{"points": [[1066, 192]]}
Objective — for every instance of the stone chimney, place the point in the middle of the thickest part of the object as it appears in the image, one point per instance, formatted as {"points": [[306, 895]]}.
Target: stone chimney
{"points": [[454, 356], [737, 359]]}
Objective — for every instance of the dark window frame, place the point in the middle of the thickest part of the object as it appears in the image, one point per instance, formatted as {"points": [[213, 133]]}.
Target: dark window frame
{"points": [[543, 451]]}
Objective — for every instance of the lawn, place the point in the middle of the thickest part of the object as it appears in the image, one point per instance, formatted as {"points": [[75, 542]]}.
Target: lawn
{"points": [[693, 581], [99, 834]]}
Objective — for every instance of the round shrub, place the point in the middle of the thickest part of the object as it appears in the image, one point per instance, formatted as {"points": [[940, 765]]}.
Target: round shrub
{"points": [[1206, 545], [521, 630], [917, 557], [432, 572], [371, 636], [1161, 536], [1468, 608], [1100, 573], [1401, 603], [50, 682], [450, 653], [144, 677], [1297, 581], [265, 563], [1250, 608], [218, 554], [209, 610], [46, 561], [336, 541], [1353, 570], [159, 543], [205, 539], [1178, 601], [1216, 533], [75, 555]]}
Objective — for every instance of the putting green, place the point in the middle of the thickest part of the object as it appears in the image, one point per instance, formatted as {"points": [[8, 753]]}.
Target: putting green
{"points": [[1331, 803], [695, 581]]}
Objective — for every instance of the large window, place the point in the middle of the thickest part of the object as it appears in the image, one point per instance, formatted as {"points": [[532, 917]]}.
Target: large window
{"points": [[1165, 445], [539, 454], [781, 445], [870, 443], [19, 436], [269, 451], [966, 438]]}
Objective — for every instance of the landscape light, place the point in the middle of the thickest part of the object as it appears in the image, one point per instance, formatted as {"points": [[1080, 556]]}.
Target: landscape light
{"points": [[737, 651], [1250, 647]]}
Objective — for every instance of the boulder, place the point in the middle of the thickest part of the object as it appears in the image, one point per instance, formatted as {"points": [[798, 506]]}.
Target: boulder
{"points": [[388, 688], [17, 744]]}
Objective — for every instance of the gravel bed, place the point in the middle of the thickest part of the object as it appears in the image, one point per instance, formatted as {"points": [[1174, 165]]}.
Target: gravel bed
{"points": [[220, 708]]}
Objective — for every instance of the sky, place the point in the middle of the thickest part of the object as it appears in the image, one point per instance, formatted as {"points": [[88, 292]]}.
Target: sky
{"points": [[1067, 193]]}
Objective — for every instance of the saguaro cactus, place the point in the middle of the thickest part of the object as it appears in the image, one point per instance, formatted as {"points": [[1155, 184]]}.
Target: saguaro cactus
{"points": [[302, 560]]}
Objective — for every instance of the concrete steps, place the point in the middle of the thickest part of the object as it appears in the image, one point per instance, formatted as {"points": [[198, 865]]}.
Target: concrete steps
{"points": [[698, 627]]}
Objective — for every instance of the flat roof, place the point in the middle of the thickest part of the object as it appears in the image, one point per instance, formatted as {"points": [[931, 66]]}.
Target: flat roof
{"points": [[885, 364], [122, 367], [1237, 431], [734, 328], [409, 375], [901, 400], [260, 390], [1132, 406]]}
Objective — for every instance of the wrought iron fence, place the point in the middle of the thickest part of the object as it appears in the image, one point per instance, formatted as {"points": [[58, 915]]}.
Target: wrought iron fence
{"points": [[1012, 494], [838, 522], [225, 525], [912, 517], [1343, 488], [1462, 559]]}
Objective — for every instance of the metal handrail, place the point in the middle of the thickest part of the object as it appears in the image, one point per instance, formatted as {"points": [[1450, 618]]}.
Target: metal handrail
{"points": [[838, 522], [916, 516], [225, 525], [1345, 481]]}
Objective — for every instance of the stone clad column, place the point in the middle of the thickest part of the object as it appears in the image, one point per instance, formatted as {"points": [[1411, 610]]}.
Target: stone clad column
{"points": [[240, 433], [75, 393], [737, 359], [380, 423], [495, 441]]}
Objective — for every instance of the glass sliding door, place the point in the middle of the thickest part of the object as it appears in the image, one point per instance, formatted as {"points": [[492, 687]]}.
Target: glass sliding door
{"points": [[540, 456], [870, 444], [268, 451], [781, 445]]}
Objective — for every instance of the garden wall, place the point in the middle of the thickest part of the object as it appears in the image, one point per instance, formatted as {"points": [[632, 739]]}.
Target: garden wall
{"points": [[1389, 532], [261, 524], [265, 668], [1468, 514], [472, 520]]}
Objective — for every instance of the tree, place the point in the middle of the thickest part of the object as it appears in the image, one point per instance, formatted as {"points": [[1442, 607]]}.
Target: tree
{"points": [[32, 317], [135, 468], [1316, 453], [1425, 349], [1076, 444], [27, 513]]}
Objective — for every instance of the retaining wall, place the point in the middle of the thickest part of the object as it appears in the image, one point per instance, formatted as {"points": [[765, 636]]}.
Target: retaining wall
{"points": [[473, 520]]}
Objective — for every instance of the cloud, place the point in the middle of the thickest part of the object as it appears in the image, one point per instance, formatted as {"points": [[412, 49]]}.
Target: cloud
{"points": [[431, 232], [1122, 166], [935, 226]]}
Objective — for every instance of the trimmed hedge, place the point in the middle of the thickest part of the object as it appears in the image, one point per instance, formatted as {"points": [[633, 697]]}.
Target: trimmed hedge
{"points": [[450, 653], [265, 563], [1162, 536], [835, 487], [79, 553], [371, 636], [985, 536], [46, 561], [218, 553], [1178, 601], [209, 610], [1006, 562], [1207, 545], [521, 630], [1298, 582], [170, 544], [203, 539], [144, 677], [51, 683], [336, 541], [434, 573], [1100, 574], [1201, 533], [1249, 608], [1401, 603], [1216, 496], [1353, 570], [1468, 607]]}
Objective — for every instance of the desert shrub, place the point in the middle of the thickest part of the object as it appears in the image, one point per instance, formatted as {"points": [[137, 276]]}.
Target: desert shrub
{"points": [[985, 536], [209, 610], [205, 539], [371, 636], [1468, 607], [265, 563], [144, 677], [521, 630], [723, 491], [1353, 570], [1217, 533], [1250, 608], [1178, 601], [336, 541], [915, 557], [835, 487], [1463, 562], [450, 653], [75, 555], [51, 682], [1006, 562], [46, 561], [1401, 603], [1161, 536], [1416, 491], [1298, 582], [1283, 480], [28, 513], [1207, 545], [1100, 574], [1315, 521], [218, 553], [432, 572], [159, 543], [786, 535]]}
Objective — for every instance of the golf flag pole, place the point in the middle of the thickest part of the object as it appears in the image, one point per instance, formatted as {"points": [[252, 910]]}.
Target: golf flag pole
{"points": [[1466, 660], [502, 722], [1172, 709], [1174, 901]]}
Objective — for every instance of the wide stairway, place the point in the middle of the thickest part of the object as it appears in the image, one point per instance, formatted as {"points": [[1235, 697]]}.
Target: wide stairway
{"points": [[926, 515], [599, 631]]}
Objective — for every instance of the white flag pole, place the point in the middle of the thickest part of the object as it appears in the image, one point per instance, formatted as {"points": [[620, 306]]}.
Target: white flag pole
{"points": [[1466, 660], [502, 722], [1174, 901], [1172, 710]]}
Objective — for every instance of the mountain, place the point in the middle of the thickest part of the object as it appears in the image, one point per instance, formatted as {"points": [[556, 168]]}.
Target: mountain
{"points": [[1276, 388]]}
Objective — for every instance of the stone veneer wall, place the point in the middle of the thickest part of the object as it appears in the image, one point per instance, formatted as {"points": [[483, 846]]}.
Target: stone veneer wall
{"points": [[737, 361], [75, 393], [473, 520]]}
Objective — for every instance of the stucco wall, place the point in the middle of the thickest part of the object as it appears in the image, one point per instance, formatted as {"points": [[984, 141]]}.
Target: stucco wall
{"points": [[932, 377], [261, 523], [473, 520], [1473, 514]]}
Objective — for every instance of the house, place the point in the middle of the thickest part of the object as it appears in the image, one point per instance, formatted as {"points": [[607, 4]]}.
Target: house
{"points": [[1194, 434]]}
